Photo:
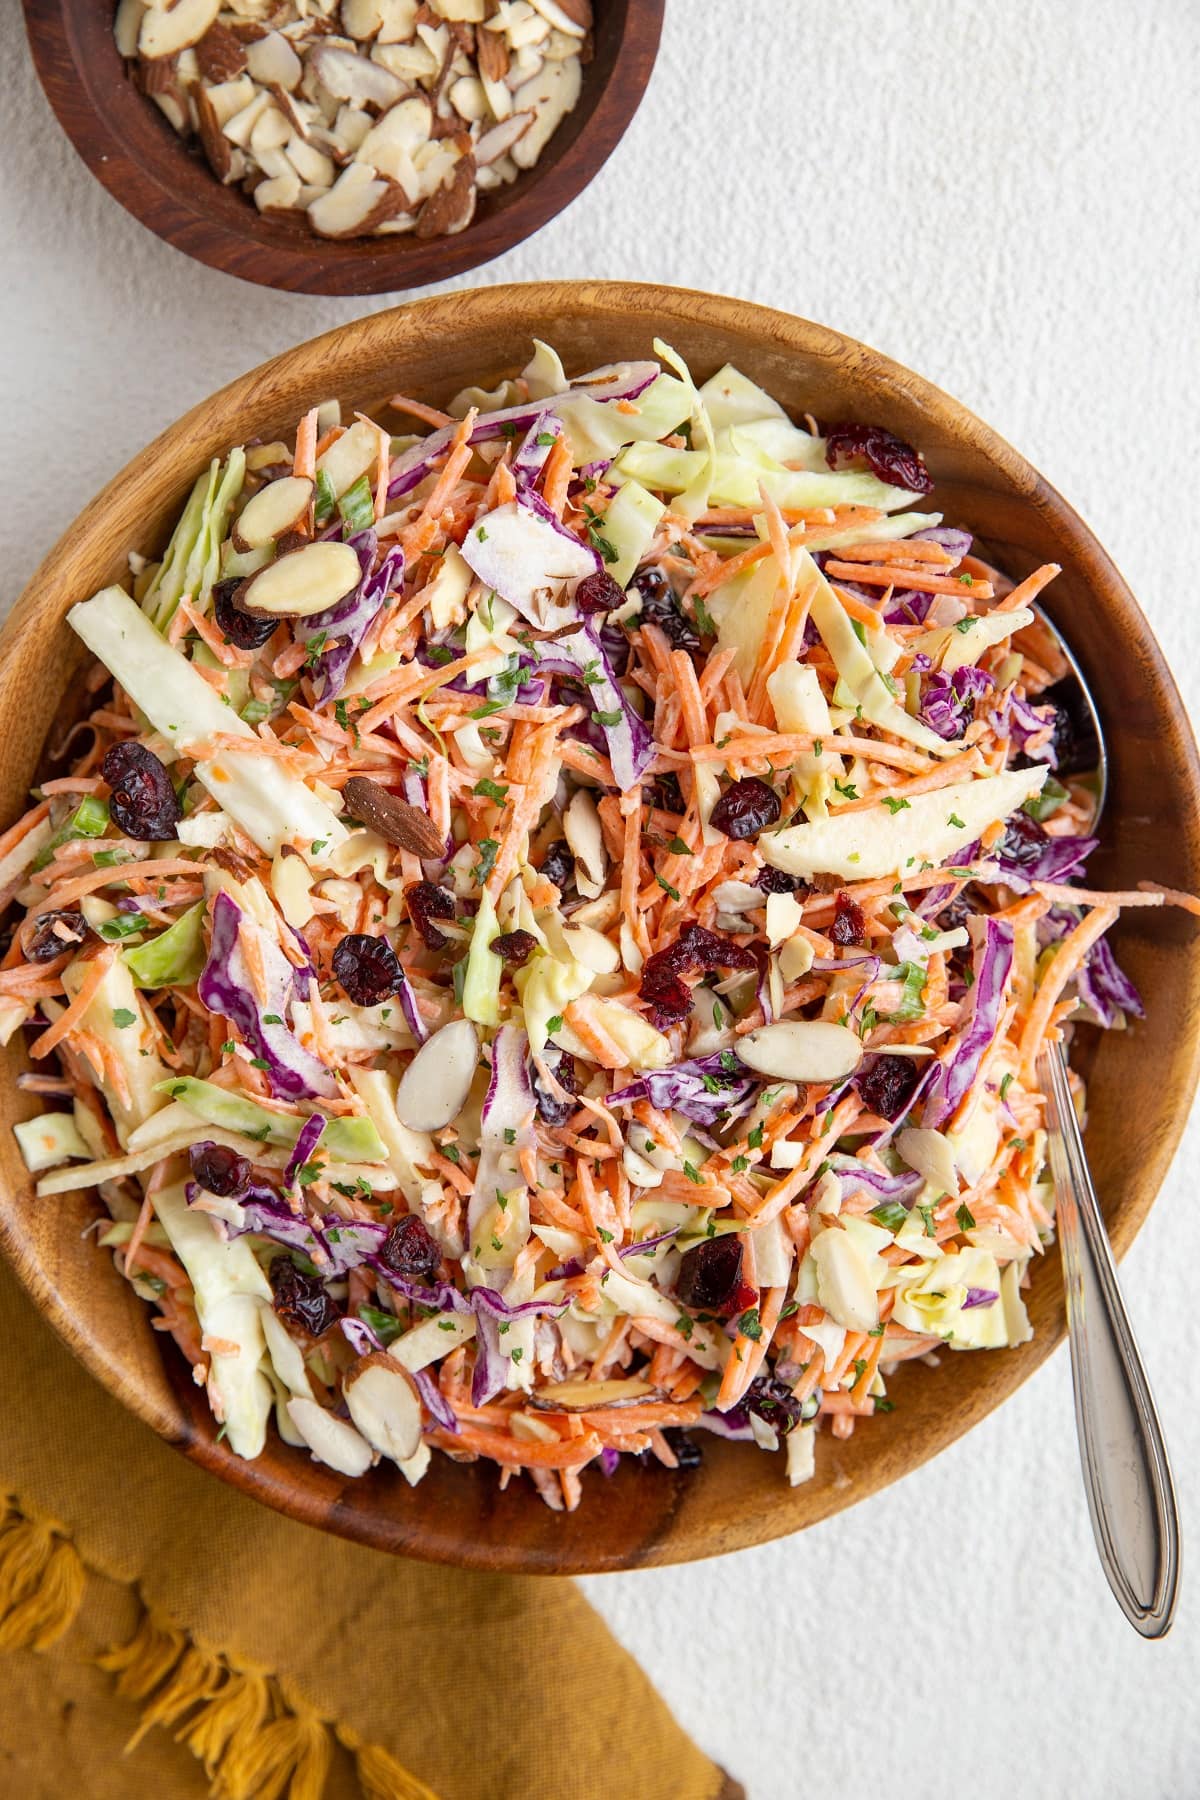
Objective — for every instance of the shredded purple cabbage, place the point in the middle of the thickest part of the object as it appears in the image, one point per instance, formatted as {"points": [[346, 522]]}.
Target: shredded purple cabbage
{"points": [[948, 703], [345, 625], [436, 1403], [954, 1078], [306, 1143], [704, 1088], [225, 988]]}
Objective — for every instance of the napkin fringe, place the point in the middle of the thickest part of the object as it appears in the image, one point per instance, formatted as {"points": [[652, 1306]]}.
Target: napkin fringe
{"points": [[254, 1736], [41, 1580]]}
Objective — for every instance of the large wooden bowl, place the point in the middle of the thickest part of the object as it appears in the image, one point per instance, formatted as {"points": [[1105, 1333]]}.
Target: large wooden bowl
{"points": [[129, 146], [1141, 1080]]}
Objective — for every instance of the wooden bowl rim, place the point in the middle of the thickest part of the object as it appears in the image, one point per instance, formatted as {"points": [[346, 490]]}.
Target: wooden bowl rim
{"points": [[254, 249], [366, 343]]}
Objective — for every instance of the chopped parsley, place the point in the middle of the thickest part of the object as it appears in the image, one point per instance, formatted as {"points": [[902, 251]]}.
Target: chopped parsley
{"points": [[490, 790], [123, 1017], [895, 806], [666, 887], [489, 849], [965, 1218], [750, 1325], [605, 546]]}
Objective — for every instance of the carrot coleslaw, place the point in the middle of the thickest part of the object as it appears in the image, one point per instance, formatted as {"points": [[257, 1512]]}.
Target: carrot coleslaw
{"points": [[543, 941]]}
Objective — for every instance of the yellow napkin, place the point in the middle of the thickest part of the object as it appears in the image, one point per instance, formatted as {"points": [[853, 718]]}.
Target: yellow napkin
{"points": [[166, 1636]]}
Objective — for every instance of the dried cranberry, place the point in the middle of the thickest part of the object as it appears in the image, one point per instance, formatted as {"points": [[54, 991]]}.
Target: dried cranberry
{"points": [[886, 1084], [515, 947], [711, 950], [746, 808], [1023, 841], [551, 1110], [710, 1273], [409, 1250], [1073, 739], [367, 968], [598, 593], [849, 923], [242, 629], [143, 804], [665, 794], [660, 607], [299, 1298], [558, 864], [774, 1403], [954, 914], [777, 881], [887, 456], [661, 988], [688, 1453], [426, 902], [219, 1170], [46, 943], [695, 949]]}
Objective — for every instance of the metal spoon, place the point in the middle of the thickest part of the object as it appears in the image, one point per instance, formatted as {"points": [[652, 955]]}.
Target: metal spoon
{"points": [[1126, 1475]]}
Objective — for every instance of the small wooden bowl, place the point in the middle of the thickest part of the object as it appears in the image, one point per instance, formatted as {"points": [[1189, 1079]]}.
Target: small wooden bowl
{"points": [[131, 148], [1141, 1080]]}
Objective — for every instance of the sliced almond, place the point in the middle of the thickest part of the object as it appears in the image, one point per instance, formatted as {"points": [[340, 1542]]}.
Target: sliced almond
{"points": [[220, 54], [500, 139], [295, 111], [354, 78], [814, 1051], [227, 98], [279, 194], [271, 132], [275, 509], [468, 99], [307, 581], [393, 819], [260, 457], [572, 16], [551, 94], [166, 33], [491, 53], [330, 1439], [584, 833], [433, 1089], [273, 62], [127, 25], [160, 76], [311, 165], [357, 203], [239, 127], [217, 147], [362, 19], [452, 207], [399, 20], [466, 12], [383, 1402], [589, 1396], [390, 145]]}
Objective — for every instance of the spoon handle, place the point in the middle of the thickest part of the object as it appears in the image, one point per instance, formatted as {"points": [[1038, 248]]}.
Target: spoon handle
{"points": [[1130, 1494]]}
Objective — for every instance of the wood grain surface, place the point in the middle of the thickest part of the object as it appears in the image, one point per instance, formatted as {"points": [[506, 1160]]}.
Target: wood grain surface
{"points": [[1142, 1080], [131, 148]]}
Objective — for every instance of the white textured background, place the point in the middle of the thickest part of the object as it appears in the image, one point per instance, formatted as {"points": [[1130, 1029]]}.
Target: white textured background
{"points": [[1003, 195]]}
